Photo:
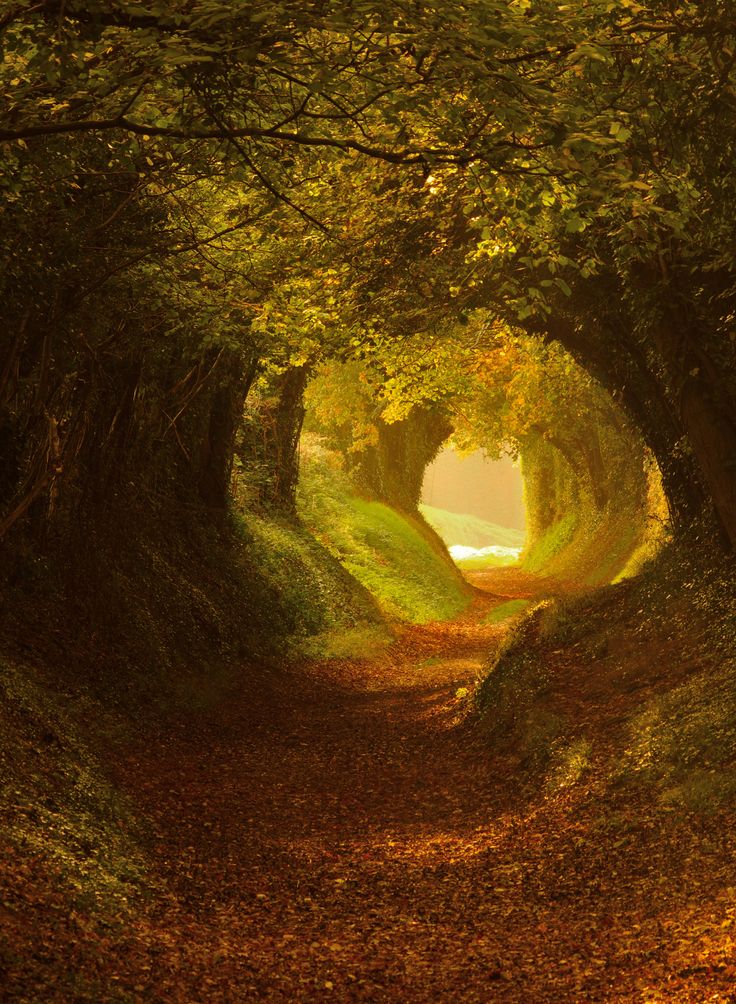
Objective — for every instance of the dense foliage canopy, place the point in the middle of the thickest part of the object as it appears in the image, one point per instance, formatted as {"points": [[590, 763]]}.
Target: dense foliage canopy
{"points": [[205, 202]]}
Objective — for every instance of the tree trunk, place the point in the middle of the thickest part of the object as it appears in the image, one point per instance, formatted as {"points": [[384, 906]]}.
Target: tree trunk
{"points": [[289, 419], [713, 437], [217, 448], [393, 470], [707, 414], [619, 364]]}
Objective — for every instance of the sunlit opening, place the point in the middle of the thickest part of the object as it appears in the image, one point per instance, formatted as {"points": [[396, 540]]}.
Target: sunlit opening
{"points": [[476, 505]]}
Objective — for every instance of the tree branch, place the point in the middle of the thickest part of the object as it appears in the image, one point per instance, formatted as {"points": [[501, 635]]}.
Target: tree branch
{"points": [[405, 156]]}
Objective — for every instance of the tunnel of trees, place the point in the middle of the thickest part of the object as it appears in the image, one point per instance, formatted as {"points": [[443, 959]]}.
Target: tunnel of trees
{"points": [[223, 195], [263, 261]]}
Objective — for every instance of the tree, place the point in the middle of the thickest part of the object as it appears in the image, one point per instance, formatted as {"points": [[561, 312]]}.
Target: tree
{"points": [[206, 178]]}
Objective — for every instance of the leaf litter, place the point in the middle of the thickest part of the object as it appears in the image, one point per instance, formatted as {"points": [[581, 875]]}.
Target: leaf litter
{"points": [[355, 839]]}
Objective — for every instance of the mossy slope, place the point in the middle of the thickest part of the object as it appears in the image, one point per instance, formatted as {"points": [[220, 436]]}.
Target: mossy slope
{"points": [[387, 551]]}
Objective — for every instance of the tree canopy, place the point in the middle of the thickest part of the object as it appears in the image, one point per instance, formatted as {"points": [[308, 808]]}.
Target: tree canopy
{"points": [[200, 196]]}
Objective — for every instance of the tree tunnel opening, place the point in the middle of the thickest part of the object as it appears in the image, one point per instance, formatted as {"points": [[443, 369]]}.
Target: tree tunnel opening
{"points": [[510, 455], [137, 320], [476, 504]]}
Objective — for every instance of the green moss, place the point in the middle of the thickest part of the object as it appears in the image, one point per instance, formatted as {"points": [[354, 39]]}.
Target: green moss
{"points": [[552, 542], [313, 589]]}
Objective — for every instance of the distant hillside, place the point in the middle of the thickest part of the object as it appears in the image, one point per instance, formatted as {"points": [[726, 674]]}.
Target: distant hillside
{"points": [[472, 531], [473, 483]]}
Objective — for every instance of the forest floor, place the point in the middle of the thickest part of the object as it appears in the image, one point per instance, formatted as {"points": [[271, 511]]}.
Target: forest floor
{"points": [[352, 838]]}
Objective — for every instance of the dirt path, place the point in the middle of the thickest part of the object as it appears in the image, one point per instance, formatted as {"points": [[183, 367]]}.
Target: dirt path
{"points": [[339, 851], [357, 844], [355, 840], [349, 836]]}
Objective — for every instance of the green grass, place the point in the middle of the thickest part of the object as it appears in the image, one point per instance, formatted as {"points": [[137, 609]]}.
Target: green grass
{"points": [[551, 544], [679, 739], [478, 563], [385, 550], [368, 641], [461, 528]]}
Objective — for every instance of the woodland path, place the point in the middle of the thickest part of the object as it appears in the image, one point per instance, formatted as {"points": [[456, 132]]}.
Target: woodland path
{"points": [[356, 842]]}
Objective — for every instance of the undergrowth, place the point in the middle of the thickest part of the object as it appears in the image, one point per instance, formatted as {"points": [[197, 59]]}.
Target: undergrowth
{"points": [[662, 648], [511, 608], [508, 696], [587, 544], [58, 808], [131, 630], [684, 738]]}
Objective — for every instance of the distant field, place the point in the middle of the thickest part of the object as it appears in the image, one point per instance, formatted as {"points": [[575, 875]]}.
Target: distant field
{"points": [[486, 557], [460, 528]]}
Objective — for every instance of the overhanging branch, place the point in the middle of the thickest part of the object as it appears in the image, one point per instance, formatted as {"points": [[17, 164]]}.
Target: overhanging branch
{"points": [[404, 156]]}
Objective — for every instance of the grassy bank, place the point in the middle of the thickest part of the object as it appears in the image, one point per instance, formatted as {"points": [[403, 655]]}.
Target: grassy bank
{"points": [[636, 681], [142, 627], [389, 552]]}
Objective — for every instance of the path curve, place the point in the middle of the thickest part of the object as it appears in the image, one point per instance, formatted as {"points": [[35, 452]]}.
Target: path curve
{"points": [[354, 841]]}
